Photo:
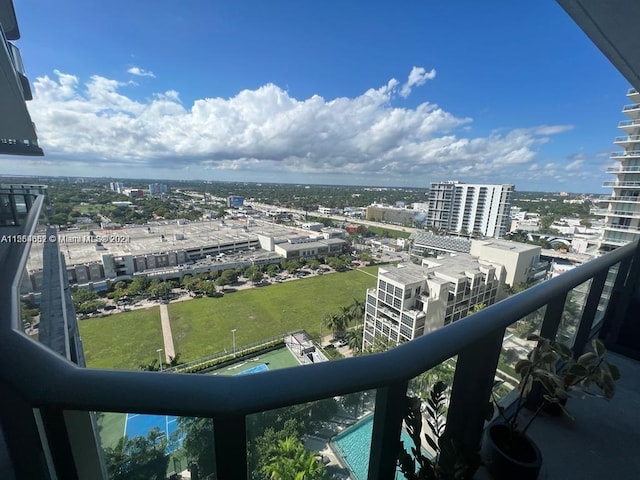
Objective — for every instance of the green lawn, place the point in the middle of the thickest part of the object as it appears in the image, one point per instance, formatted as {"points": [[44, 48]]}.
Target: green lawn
{"points": [[203, 326], [124, 340]]}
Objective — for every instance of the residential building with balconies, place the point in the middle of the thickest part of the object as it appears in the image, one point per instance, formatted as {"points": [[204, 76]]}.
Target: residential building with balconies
{"points": [[410, 300], [622, 211], [470, 208]]}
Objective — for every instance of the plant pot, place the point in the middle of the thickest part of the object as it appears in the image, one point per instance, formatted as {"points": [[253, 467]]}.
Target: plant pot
{"points": [[510, 456]]}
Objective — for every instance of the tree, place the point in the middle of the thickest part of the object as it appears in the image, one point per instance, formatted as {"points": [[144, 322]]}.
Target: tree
{"points": [[227, 278], [272, 270], [354, 337], [198, 442], [336, 323], [139, 458], [138, 285], [356, 310], [160, 289], [290, 461]]}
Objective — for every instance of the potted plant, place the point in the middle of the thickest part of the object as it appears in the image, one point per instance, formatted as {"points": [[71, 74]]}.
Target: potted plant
{"points": [[415, 464], [507, 451]]}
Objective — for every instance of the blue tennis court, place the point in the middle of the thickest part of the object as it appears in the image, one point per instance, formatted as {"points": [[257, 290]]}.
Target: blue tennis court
{"points": [[262, 367], [139, 425]]}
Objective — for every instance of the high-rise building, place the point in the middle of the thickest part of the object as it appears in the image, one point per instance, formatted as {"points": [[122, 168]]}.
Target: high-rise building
{"points": [[622, 213], [470, 208], [157, 188], [116, 187]]}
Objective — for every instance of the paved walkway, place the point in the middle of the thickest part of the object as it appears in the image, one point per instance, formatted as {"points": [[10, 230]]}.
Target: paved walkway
{"points": [[169, 350]]}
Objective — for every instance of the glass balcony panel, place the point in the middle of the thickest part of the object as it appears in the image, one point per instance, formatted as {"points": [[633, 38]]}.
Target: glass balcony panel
{"points": [[424, 387], [155, 446], [515, 346], [30, 289], [332, 435], [606, 294], [572, 313]]}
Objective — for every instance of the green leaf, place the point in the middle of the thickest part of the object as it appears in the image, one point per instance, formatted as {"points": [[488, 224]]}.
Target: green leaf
{"points": [[584, 359], [599, 347], [578, 370], [615, 373], [564, 351]]}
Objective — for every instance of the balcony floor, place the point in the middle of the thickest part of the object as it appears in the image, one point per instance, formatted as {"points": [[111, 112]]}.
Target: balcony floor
{"points": [[604, 439]]}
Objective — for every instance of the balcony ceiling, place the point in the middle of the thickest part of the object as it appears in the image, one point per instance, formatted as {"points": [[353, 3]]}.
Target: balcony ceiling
{"points": [[15, 121], [612, 25], [8, 20]]}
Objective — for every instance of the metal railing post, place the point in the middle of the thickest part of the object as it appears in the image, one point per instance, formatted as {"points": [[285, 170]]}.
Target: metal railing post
{"points": [[21, 436], [59, 442], [589, 312], [470, 396], [552, 316], [387, 425], [230, 439]]}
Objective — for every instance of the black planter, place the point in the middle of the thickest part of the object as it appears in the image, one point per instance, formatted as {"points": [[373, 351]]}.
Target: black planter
{"points": [[510, 457]]}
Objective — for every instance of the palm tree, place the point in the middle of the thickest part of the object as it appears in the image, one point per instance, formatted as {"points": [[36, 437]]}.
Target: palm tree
{"points": [[357, 311], [291, 461], [354, 337], [336, 323]]}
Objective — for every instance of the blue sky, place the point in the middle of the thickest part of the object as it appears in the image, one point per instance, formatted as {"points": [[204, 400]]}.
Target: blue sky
{"points": [[374, 93]]}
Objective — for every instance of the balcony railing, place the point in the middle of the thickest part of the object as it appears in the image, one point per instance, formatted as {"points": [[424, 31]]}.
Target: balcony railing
{"points": [[632, 91], [623, 169], [624, 198], [633, 106], [33, 377], [628, 123], [627, 138], [621, 184], [626, 154], [634, 228]]}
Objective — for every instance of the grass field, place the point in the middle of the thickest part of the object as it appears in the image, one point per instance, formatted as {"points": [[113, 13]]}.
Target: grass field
{"points": [[124, 340], [203, 326]]}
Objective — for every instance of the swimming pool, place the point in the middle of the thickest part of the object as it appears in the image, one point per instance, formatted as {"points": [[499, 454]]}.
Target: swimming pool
{"points": [[262, 367], [354, 445]]}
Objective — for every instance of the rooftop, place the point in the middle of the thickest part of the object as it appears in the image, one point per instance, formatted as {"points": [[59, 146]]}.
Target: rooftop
{"points": [[147, 239]]}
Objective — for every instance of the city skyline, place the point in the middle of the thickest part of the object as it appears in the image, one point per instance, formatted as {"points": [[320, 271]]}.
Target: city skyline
{"points": [[320, 94]]}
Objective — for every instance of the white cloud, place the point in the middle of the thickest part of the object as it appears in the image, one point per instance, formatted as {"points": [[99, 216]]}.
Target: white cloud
{"points": [[552, 129], [418, 76], [93, 123], [140, 72]]}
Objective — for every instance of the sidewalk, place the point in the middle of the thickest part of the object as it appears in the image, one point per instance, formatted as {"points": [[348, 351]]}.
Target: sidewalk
{"points": [[169, 350]]}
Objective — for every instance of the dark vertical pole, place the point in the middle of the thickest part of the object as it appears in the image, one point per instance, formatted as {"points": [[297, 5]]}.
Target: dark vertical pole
{"points": [[21, 436], [552, 316], [230, 437], [59, 445], [470, 397], [589, 312], [625, 285], [387, 425]]}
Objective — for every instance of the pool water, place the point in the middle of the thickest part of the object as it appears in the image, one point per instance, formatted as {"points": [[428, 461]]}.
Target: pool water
{"points": [[354, 444], [262, 367]]}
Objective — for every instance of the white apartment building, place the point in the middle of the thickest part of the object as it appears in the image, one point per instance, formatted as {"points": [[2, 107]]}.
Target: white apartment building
{"points": [[622, 211], [471, 208], [412, 300]]}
